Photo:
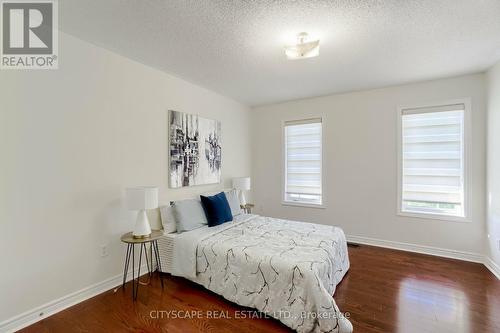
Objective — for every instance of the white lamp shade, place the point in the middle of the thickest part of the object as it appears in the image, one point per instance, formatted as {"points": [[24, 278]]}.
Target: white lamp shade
{"points": [[241, 183], [142, 197]]}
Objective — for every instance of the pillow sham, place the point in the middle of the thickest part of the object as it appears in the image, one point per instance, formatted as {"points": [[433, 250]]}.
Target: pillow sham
{"points": [[168, 219], [217, 209], [234, 202], [189, 215]]}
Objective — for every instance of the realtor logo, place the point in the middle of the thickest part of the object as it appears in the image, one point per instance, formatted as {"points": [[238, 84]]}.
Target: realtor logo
{"points": [[29, 34]]}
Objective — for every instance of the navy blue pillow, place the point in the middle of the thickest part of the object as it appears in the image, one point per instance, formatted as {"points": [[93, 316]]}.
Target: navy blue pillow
{"points": [[217, 209]]}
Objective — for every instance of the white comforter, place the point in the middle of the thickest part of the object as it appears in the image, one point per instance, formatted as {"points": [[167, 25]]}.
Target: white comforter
{"points": [[285, 269]]}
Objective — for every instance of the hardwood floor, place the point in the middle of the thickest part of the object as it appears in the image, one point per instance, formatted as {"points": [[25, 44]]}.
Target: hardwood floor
{"points": [[384, 291]]}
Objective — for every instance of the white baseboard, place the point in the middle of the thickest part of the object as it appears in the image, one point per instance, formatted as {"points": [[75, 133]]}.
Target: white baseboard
{"points": [[492, 266], [435, 251], [430, 250], [46, 310]]}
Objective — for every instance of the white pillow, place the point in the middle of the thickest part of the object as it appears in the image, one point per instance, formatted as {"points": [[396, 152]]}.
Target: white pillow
{"points": [[189, 215], [234, 202], [168, 219]]}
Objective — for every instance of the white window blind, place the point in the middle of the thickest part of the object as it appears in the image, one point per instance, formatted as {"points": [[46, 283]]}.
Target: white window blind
{"points": [[433, 160], [303, 144]]}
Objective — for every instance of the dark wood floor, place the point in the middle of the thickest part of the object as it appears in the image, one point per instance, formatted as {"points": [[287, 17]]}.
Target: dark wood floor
{"points": [[384, 291]]}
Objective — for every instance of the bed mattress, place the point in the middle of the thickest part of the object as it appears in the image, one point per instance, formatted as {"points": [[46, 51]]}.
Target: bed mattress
{"points": [[166, 246]]}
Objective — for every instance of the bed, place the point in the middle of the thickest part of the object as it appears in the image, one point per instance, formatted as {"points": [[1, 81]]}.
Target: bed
{"points": [[286, 269]]}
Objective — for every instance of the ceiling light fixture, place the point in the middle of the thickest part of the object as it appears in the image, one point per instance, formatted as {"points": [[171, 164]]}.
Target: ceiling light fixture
{"points": [[303, 49]]}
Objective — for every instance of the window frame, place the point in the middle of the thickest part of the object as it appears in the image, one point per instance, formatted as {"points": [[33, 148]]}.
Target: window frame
{"points": [[467, 156], [284, 164]]}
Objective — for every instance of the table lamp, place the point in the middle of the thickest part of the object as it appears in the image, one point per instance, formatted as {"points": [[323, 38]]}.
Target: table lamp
{"points": [[142, 198], [242, 184]]}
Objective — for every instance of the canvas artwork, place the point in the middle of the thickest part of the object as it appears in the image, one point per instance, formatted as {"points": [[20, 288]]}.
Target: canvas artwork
{"points": [[195, 150]]}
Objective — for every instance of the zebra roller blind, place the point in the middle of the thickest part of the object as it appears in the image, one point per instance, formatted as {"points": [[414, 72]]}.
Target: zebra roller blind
{"points": [[303, 161], [433, 160]]}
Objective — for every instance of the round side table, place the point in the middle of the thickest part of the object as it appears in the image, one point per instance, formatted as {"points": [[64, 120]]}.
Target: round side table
{"points": [[247, 208], [129, 239]]}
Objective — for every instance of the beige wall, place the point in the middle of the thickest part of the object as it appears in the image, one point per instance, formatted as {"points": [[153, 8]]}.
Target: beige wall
{"points": [[493, 182], [361, 163], [71, 140]]}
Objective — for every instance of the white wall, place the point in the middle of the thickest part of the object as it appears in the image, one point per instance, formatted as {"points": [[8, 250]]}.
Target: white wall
{"points": [[71, 140], [493, 165], [361, 163]]}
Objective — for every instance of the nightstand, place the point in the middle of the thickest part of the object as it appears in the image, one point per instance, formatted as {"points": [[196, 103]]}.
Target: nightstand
{"points": [[129, 239], [247, 208]]}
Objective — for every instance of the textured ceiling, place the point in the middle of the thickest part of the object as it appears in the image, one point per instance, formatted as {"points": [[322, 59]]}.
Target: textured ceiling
{"points": [[235, 47]]}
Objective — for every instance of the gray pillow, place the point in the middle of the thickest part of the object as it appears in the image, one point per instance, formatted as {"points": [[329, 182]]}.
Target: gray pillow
{"points": [[168, 219], [234, 202], [189, 215]]}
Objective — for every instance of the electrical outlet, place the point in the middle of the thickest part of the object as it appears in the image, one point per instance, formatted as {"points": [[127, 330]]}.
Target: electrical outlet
{"points": [[104, 251]]}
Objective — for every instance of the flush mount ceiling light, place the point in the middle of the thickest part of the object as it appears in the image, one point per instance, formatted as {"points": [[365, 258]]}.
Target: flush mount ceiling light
{"points": [[303, 49]]}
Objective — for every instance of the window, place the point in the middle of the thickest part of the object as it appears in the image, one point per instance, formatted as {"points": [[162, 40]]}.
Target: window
{"points": [[433, 161], [303, 162]]}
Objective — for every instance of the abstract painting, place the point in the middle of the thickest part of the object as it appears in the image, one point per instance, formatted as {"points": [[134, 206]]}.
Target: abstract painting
{"points": [[195, 150]]}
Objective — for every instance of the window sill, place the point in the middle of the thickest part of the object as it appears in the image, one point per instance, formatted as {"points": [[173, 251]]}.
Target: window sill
{"points": [[302, 204], [430, 216]]}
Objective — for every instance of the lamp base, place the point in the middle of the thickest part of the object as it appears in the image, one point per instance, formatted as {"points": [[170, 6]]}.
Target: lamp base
{"points": [[243, 201], [141, 236], [141, 228]]}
